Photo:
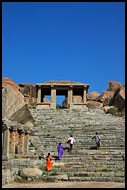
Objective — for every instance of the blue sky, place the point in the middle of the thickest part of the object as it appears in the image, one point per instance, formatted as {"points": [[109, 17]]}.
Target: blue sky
{"points": [[81, 42]]}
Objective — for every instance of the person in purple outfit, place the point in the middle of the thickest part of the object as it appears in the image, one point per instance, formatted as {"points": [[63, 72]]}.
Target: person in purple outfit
{"points": [[60, 151]]}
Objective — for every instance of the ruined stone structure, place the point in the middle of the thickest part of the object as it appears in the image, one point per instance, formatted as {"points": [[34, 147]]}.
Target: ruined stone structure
{"points": [[74, 95], [68, 89], [15, 139], [17, 123], [23, 153]]}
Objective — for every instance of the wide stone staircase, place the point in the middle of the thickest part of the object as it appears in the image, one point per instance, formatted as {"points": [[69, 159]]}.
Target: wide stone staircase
{"points": [[85, 163]]}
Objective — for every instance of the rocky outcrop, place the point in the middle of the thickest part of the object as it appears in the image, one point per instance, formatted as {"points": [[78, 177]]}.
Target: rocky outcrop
{"points": [[46, 100], [77, 99], [106, 108], [7, 81], [65, 103], [94, 105], [28, 90], [113, 85], [92, 96], [114, 96], [105, 97], [118, 99]]}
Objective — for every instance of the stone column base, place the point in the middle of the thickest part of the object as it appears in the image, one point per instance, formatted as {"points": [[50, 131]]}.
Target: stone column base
{"points": [[79, 106], [70, 106], [52, 106], [43, 105], [5, 158]]}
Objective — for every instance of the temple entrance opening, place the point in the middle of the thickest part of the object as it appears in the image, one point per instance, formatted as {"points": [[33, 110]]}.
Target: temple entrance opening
{"points": [[59, 101], [71, 94], [46, 99]]}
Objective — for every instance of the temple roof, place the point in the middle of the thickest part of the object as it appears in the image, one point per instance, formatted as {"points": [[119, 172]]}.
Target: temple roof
{"points": [[61, 83]]}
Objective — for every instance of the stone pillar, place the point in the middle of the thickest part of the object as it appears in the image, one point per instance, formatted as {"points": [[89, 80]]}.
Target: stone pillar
{"points": [[26, 143], [39, 95], [70, 95], [2, 142], [21, 143], [53, 98], [84, 95], [12, 141], [6, 137]]}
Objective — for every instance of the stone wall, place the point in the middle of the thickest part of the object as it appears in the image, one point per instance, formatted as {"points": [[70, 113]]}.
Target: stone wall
{"points": [[17, 123], [9, 175], [11, 168]]}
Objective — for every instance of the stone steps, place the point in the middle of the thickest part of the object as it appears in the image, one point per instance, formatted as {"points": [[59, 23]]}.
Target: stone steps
{"points": [[53, 177], [115, 179], [84, 164], [92, 174], [99, 159], [88, 168], [79, 143], [81, 167], [47, 147], [64, 177]]}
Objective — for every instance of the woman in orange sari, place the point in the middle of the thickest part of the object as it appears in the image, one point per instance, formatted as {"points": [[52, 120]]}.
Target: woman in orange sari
{"points": [[48, 162]]}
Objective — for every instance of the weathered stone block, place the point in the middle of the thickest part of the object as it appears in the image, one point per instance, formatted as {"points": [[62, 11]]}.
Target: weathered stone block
{"points": [[11, 102], [30, 172], [94, 105]]}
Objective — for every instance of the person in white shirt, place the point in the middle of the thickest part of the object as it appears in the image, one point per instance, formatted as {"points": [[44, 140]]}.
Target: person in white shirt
{"points": [[97, 140], [72, 141]]}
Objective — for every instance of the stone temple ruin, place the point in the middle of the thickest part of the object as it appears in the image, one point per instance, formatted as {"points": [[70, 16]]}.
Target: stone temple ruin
{"points": [[76, 95], [17, 121], [17, 124], [69, 89], [29, 132]]}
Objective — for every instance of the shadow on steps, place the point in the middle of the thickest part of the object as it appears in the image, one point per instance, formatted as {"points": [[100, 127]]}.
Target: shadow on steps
{"points": [[93, 147], [66, 149]]}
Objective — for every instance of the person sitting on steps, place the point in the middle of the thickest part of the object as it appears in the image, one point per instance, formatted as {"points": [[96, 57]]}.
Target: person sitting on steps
{"points": [[97, 140]]}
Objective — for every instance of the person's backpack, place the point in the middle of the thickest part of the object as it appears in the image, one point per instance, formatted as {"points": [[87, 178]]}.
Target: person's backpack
{"points": [[69, 140]]}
